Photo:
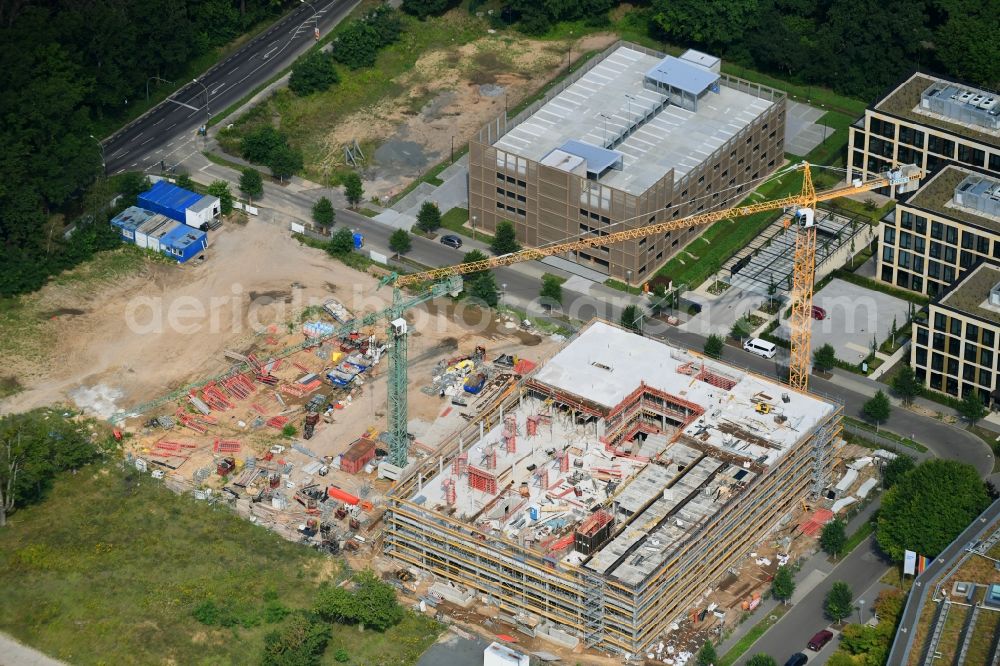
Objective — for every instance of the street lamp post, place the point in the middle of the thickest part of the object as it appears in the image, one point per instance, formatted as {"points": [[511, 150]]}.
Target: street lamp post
{"points": [[628, 279], [473, 227], [503, 294], [207, 111], [628, 102], [605, 129], [104, 163], [861, 611], [161, 80]]}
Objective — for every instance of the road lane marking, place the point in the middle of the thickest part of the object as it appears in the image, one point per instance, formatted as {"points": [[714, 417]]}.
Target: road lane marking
{"points": [[147, 141], [171, 99]]}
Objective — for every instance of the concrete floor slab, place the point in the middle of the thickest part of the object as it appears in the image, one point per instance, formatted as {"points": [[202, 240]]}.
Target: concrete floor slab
{"points": [[802, 132]]}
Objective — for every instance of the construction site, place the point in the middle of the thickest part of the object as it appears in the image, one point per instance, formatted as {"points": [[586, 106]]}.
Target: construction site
{"points": [[597, 502]]}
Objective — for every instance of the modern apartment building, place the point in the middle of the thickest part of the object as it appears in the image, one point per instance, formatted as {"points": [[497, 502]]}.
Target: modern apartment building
{"points": [[930, 122], [957, 349], [944, 230], [601, 498], [632, 138]]}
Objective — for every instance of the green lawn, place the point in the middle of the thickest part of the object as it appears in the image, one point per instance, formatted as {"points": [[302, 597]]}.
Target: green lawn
{"points": [[758, 630], [726, 237], [100, 574]]}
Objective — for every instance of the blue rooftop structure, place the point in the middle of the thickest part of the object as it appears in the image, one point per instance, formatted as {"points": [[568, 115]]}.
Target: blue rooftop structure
{"points": [[183, 243], [598, 159], [993, 595], [168, 199]]}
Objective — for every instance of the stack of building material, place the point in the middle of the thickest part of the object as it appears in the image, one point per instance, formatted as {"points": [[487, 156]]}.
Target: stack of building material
{"points": [[814, 524], [227, 446], [277, 422]]}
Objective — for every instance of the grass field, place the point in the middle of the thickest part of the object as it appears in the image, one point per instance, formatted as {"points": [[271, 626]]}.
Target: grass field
{"points": [[105, 573]]}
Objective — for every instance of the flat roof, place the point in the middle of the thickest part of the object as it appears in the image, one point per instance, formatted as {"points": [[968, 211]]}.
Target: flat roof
{"points": [[169, 196], [683, 75], [204, 203], [610, 99], [182, 236], [904, 102], [938, 195], [548, 471], [971, 294], [598, 159], [133, 217]]}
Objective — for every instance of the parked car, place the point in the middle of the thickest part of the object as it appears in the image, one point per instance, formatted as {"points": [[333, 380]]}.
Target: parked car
{"points": [[797, 659], [821, 638], [760, 347], [818, 313], [451, 240]]}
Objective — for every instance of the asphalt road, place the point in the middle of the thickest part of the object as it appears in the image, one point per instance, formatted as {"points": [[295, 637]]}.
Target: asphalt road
{"points": [[146, 141], [860, 570]]}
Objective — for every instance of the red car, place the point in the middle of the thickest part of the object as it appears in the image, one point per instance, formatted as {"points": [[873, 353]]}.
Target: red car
{"points": [[818, 313], [817, 642]]}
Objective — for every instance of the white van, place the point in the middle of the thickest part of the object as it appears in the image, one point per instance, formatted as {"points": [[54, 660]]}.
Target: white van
{"points": [[760, 347]]}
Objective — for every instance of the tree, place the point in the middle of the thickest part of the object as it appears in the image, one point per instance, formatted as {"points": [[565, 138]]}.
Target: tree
{"points": [[783, 585], [928, 507], [709, 24], [313, 72], [335, 604], [824, 358], [707, 655], [551, 288], [472, 257], [429, 217], [300, 642], [34, 447], [833, 538], [323, 213], [963, 42], [353, 189], [630, 317], [425, 8], [130, 184], [220, 189], [896, 469], [878, 408], [906, 385], [839, 601], [972, 407], [184, 181], [484, 289], [284, 162], [504, 239], [772, 289], [341, 243], [399, 241], [714, 345], [257, 146], [251, 183], [840, 658], [376, 603], [761, 659], [740, 329], [357, 45]]}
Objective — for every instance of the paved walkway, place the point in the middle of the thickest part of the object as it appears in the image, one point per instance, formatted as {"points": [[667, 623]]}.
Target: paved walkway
{"points": [[13, 653]]}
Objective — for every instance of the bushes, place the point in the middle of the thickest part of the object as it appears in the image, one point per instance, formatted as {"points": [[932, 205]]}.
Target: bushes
{"points": [[372, 603], [360, 41], [269, 146], [425, 8], [313, 72], [300, 642]]}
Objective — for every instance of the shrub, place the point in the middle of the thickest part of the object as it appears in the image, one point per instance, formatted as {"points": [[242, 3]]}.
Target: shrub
{"points": [[313, 72]]}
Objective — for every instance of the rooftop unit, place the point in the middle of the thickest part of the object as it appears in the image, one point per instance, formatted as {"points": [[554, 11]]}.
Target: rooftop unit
{"points": [[995, 295], [979, 193], [969, 106]]}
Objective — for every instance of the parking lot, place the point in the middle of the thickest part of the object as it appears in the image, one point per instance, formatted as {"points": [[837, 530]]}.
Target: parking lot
{"points": [[854, 315]]}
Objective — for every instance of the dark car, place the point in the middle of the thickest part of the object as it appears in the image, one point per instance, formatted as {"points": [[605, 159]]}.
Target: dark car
{"points": [[821, 638], [451, 241], [818, 313], [797, 659]]}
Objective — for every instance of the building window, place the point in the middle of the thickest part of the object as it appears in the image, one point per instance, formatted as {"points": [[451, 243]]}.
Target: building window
{"points": [[904, 259], [887, 254], [937, 362], [918, 282], [948, 274], [921, 224], [887, 274], [987, 339], [905, 239], [933, 269], [912, 136], [938, 341], [921, 356], [940, 322], [971, 332], [949, 254], [986, 378], [889, 236], [921, 336], [951, 386], [970, 155], [918, 264], [937, 231], [951, 234], [971, 353], [956, 327], [953, 349], [906, 219], [941, 146], [858, 159], [995, 163], [986, 357], [883, 128], [903, 279]]}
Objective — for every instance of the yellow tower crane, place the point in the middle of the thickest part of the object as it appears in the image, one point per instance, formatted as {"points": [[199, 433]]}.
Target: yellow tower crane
{"points": [[903, 178]]}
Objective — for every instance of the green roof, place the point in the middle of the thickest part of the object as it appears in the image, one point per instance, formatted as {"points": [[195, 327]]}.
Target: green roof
{"points": [[969, 295], [936, 193], [901, 102]]}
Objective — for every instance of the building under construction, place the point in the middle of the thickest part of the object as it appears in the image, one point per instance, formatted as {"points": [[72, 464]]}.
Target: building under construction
{"points": [[608, 490]]}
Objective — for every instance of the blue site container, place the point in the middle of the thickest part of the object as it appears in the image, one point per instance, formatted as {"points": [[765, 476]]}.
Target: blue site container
{"points": [[168, 199]]}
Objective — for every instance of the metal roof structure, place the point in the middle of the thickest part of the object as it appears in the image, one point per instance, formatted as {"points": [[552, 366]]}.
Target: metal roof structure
{"points": [[132, 218], [182, 236], [168, 199], [598, 159], [683, 75]]}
